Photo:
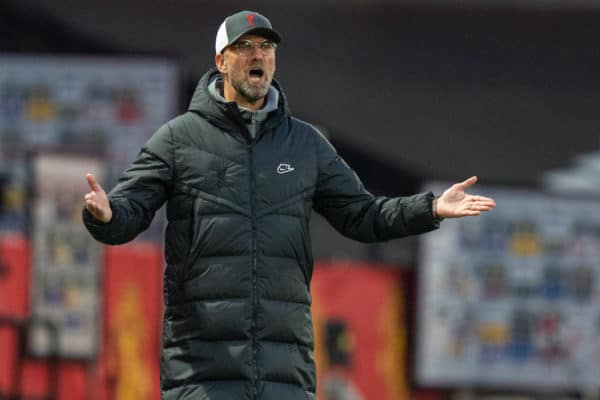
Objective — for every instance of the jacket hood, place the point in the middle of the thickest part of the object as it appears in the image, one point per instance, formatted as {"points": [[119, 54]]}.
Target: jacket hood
{"points": [[226, 115]]}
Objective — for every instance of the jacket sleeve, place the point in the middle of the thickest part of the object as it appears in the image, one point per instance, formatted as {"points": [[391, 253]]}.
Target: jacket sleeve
{"points": [[141, 190], [354, 212]]}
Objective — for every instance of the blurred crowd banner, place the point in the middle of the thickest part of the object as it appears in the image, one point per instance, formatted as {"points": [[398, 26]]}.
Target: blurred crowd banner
{"points": [[65, 295], [512, 298], [105, 107]]}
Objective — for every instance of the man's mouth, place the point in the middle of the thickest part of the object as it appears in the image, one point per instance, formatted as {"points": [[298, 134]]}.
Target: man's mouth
{"points": [[256, 74]]}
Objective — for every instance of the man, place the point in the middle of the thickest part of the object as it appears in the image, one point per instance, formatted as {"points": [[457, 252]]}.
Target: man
{"points": [[240, 177]]}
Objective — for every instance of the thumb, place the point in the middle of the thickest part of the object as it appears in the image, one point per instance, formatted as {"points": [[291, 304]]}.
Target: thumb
{"points": [[93, 184], [468, 182]]}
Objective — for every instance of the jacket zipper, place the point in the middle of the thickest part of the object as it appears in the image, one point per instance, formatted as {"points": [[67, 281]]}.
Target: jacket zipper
{"points": [[254, 277], [253, 124]]}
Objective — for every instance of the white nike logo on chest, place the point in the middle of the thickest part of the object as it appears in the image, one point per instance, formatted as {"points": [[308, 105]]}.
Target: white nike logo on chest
{"points": [[284, 168]]}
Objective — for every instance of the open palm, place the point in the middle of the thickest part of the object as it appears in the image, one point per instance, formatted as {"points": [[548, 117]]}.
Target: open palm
{"points": [[455, 202]]}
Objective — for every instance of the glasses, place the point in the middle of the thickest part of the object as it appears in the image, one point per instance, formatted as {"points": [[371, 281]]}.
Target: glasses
{"points": [[246, 47]]}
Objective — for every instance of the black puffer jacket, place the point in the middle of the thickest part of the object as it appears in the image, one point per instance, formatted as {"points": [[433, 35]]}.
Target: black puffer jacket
{"points": [[238, 323]]}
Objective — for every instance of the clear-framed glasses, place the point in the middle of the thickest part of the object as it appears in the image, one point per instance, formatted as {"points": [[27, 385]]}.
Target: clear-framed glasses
{"points": [[246, 47]]}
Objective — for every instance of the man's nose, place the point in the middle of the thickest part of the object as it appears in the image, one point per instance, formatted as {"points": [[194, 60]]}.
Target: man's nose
{"points": [[257, 52]]}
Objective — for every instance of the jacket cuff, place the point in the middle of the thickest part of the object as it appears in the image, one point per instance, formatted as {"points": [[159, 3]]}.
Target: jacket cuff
{"points": [[434, 208], [420, 219], [97, 228]]}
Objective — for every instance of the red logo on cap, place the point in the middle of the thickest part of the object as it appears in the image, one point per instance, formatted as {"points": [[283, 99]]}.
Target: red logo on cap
{"points": [[250, 19]]}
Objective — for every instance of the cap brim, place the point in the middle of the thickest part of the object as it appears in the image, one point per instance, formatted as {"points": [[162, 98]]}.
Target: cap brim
{"points": [[268, 33]]}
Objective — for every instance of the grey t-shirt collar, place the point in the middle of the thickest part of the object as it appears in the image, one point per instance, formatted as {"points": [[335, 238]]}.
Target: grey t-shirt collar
{"points": [[215, 88], [252, 119]]}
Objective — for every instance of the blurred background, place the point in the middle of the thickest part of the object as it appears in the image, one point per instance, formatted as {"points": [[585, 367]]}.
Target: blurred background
{"points": [[415, 95]]}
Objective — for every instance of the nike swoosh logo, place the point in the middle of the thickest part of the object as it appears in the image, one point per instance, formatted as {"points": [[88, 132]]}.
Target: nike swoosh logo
{"points": [[284, 168]]}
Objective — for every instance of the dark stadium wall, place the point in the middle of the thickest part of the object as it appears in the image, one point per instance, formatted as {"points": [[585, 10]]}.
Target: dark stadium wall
{"points": [[444, 91]]}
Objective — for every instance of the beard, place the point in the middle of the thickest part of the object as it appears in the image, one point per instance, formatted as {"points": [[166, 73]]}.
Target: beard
{"points": [[251, 92]]}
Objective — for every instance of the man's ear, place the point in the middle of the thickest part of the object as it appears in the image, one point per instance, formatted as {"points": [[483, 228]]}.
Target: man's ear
{"points": [[220, 63]]}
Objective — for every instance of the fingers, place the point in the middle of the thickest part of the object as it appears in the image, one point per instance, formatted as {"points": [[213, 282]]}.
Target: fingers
{"points": [[468, 182], [482, 202], [474, 205], [480, 207], [472, 213], [98, 210], [96, 201], [91, 203], [93, 207], [92, 182], [482, 199]]}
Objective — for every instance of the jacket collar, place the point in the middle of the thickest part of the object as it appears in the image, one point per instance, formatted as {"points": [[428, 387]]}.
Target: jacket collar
{"points": [[226, 115]]}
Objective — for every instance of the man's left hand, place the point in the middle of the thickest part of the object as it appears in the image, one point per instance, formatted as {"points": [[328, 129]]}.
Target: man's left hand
{"points": [[455, 203]]}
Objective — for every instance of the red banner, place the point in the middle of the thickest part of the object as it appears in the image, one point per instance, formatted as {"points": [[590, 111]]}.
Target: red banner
{"points": [[133, 301], [360, 330], [14, 281]]}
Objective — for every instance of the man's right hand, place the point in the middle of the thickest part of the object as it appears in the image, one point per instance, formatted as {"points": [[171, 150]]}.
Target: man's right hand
{"points": [[96, 201]]}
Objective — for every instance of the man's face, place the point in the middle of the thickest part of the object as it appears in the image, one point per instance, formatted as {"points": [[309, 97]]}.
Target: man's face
{"points": [[249, 73]]}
